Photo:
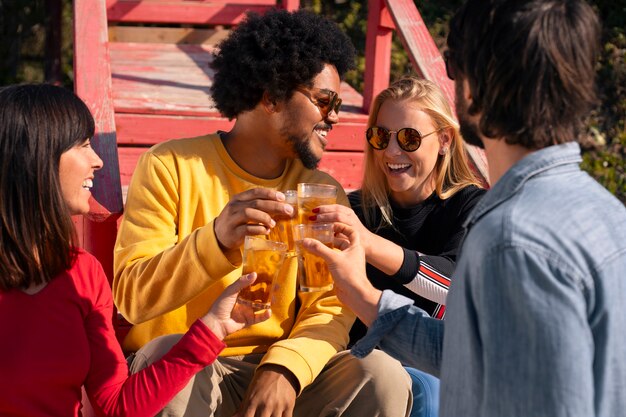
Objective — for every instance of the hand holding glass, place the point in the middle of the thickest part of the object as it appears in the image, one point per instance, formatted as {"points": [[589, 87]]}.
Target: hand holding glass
{"points": [[311, 196], [283, 230], [265, 257], [313, 273]]}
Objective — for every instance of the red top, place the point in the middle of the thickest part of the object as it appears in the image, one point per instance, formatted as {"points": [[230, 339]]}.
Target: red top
{"points": [[62, 337]]}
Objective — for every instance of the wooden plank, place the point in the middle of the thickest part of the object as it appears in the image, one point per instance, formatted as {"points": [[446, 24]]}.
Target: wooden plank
{"points": [[192, 12], [178, 35], [345, 167], [423, 52], [377, 52], [146, 130], [93, 84], [147, 79]]}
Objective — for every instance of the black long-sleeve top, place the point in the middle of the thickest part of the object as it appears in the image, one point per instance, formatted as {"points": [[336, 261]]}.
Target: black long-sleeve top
{"points": [[430, 234]]}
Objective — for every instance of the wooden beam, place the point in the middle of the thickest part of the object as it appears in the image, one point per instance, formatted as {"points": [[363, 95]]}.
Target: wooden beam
{"points": [[92, 83], [377, 52], [201, 12]]}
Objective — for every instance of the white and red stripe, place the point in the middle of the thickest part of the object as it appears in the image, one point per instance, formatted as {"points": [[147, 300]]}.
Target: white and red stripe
{"points": [[432, 285]]}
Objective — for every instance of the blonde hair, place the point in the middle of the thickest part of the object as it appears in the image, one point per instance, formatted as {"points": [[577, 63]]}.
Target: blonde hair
{"points": [[452, 172]]}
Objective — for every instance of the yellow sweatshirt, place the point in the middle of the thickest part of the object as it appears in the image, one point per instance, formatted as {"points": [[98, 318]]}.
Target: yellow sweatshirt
{"points": [[169, 267]]}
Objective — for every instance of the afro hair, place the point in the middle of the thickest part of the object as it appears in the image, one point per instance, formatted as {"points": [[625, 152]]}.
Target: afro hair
{"points": [[276, 52]]}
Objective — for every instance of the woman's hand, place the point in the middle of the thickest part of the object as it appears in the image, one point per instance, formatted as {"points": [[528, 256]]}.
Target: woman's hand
{"points": [[347, 267], [227, 316], [336, 213]]}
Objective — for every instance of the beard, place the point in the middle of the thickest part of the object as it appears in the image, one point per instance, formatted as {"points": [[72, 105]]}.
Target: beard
{"points": [[301, 146], [469, 130]]}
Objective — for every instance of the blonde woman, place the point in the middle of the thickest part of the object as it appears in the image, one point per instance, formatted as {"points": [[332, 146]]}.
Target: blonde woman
{"points": [[416, 193]]}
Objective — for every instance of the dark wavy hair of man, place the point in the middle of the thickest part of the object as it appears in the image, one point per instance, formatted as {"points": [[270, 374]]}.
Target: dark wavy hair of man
{"points": [[275, 52], [530, 66]]}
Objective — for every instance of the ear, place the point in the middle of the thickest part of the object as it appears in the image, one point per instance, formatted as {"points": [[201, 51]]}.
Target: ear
{"points": [[445, 140], [268, 103]]}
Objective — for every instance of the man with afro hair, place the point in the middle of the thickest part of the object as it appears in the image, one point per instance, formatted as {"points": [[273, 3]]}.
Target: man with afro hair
{"points": [[190, 205]]}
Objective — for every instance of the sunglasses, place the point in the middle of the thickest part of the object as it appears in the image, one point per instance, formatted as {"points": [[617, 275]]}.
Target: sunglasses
{"points": [[447, 59], [330, 101], [409, 139]]}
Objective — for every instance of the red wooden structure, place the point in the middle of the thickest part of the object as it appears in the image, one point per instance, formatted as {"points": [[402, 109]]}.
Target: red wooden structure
{"points": [[145, 85]]}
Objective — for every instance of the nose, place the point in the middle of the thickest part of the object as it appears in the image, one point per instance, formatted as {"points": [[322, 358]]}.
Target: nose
{"points": [[332, 117], [96, 162], [393, 148]]}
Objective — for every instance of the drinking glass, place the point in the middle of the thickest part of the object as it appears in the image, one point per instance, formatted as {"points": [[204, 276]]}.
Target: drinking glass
{"points": [[313, 274], [265, 257], [311, 196], [283, 230]]}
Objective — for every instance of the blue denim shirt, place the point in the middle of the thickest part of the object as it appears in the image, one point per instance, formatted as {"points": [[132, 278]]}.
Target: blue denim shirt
{"points": [[536, 314]]}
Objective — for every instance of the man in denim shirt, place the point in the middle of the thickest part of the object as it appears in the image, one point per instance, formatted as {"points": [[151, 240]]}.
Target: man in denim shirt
{"points": [[536, 314]]}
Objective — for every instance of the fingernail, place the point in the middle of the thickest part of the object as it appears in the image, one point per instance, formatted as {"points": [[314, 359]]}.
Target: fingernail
{"points": [[280, 196], [272, 222], [313, 218], [289, 209], [316, 210]]}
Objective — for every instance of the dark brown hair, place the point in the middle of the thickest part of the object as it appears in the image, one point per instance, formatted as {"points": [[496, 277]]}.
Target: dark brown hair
{"points": [[37, 124], [530, 66]]}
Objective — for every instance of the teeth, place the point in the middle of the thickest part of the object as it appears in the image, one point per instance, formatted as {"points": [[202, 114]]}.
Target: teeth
{"points": [[321, 132], [87, 184], [398, 166]]}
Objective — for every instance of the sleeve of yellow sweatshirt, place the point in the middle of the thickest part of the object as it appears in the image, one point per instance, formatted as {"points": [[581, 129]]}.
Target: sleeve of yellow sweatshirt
{"points": [[150, 260]]}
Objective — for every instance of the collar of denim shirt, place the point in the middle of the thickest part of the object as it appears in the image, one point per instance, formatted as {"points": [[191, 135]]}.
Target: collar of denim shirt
{"points": [[536, 163]]}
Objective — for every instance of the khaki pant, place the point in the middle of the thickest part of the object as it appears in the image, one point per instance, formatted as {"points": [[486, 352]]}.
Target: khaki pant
{"points": [[374, 386]]}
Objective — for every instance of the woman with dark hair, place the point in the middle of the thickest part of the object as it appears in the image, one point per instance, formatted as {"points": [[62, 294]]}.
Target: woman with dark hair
{"points": [[416, 193], [55, 301]]}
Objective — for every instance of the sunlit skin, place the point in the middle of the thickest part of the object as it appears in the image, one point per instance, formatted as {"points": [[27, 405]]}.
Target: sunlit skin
{"points": [[77, 167], [410, 175], [304, 125]]}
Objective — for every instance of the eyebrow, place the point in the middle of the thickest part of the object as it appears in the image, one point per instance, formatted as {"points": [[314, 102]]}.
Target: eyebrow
{"points": [[326, 90]]}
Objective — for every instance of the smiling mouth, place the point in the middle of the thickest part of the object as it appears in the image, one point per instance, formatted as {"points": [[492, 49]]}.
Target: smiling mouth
{"points": [[322, 133], [88, 184], [398, 168]]}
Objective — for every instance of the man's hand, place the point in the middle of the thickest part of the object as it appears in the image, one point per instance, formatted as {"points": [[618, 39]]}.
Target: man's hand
{"points": [[249, 213], [272, 393], [348, 270], [227, 316]]}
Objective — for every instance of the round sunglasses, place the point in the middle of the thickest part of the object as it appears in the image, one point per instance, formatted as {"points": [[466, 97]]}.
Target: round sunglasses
{"points": [[409, 139]]}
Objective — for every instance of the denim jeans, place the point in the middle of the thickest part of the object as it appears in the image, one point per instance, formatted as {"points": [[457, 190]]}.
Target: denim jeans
{"points": [[425, 389]]}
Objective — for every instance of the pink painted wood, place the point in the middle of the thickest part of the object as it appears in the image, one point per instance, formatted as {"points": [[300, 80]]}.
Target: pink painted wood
{"points": [[204, 12], [345, 167], [377, 52], [93, 84]]}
